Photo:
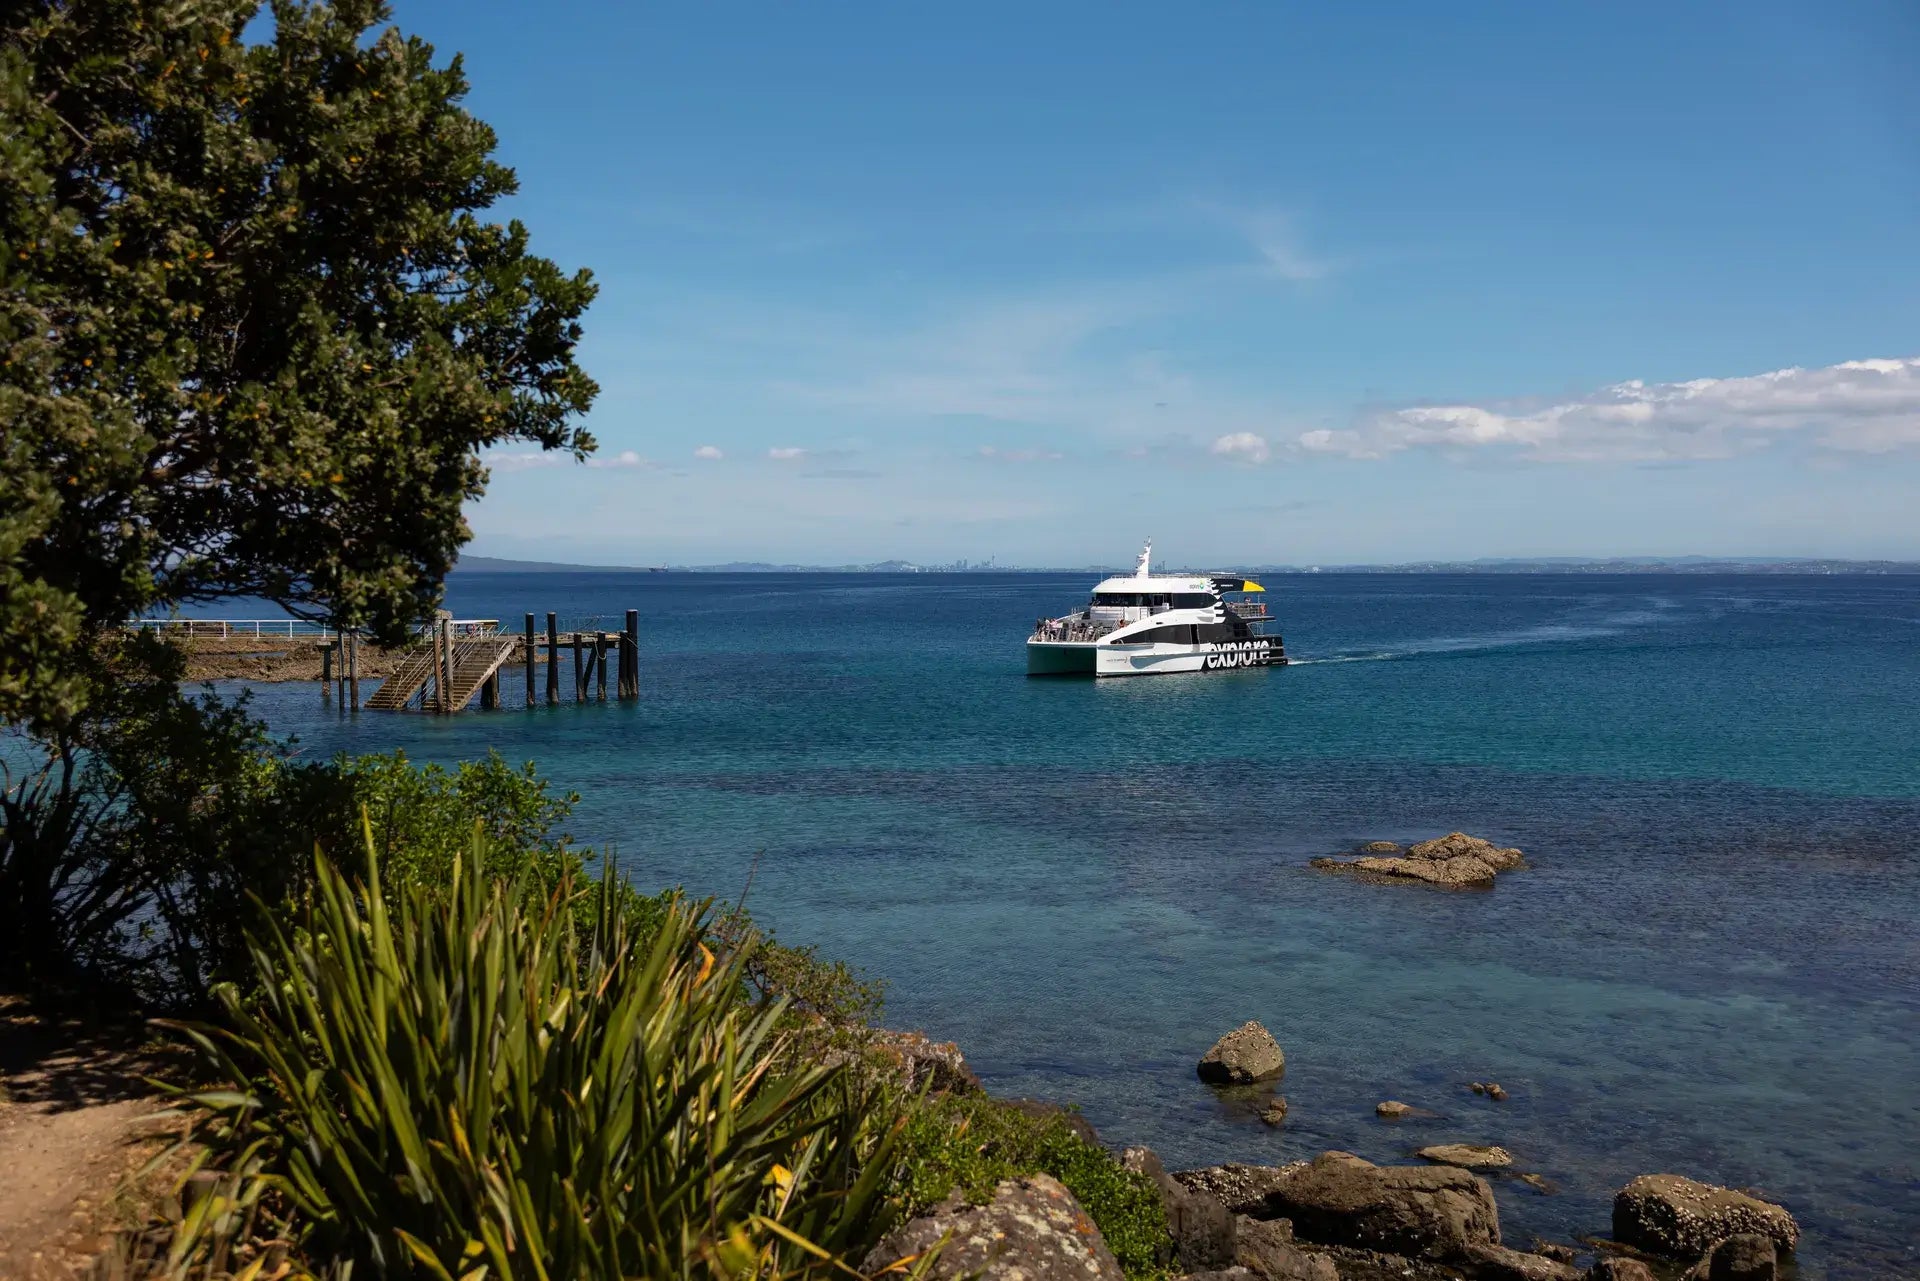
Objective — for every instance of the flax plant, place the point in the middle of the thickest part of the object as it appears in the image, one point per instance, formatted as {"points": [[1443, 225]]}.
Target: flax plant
{"points": [[477, 1082]]}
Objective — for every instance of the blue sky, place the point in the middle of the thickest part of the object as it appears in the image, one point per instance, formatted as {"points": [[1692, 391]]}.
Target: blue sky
{"points": [[1303, 283]]}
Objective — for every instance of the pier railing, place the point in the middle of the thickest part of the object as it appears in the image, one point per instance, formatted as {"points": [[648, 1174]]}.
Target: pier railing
{"points": [[292, 628]]}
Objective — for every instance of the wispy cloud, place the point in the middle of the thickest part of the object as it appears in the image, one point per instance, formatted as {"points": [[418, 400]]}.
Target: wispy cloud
{"points": [[1242, 446], [786, 453], [709, 453], [1275, 235], [993, 453], [1859, 406]]}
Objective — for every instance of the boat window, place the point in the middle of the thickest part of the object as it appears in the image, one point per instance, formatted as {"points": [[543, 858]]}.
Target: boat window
{"points": [[1192, 600], [1120, 600]]}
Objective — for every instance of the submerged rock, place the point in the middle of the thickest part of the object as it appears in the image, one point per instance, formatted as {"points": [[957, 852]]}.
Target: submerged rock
{"points": [[1681, 1218], [1243, 1056], [1032, 1230], [1421, 1211], [1468, 1156], [1455, 860], [1275, 1112], [1394, 1109]]}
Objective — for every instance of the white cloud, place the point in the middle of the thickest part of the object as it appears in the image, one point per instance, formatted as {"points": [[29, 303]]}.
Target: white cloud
{"points": [[1867, 406], [1275, 236], [711, 453], [528, 460], [786, 453], [1242, 446]]}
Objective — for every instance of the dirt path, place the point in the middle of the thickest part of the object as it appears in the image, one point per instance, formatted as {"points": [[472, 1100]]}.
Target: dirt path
{"points": [[76, 1120]]}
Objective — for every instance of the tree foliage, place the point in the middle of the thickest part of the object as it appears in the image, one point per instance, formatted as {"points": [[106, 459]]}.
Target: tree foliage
{"points": [[255, 330]]}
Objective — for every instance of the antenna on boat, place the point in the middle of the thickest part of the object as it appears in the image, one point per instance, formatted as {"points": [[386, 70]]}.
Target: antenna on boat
{"points": [[1146, 560]]}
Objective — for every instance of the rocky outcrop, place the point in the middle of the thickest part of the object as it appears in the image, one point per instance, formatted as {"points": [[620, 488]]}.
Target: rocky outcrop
{"points": [[1032, 1230], [1454, 860], [1432, 1212], [1468, 1156], [1745, 1256], [923, 1061], [1619, 1270], [1243, 1056], [1243, 1189], [1200, 1227], [1498, 1263], [1266, 1248], [1680, 1218]]}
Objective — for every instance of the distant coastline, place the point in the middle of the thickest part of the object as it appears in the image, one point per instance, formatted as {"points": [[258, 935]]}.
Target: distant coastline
{"points": [[1516, 565]]}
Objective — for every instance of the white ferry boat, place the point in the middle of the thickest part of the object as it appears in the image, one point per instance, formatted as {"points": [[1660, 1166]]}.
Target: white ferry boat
{"points": [[1144, 623]]}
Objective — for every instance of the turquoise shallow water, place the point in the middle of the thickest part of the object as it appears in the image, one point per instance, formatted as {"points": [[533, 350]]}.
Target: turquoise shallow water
{"points": [[1711, 968]]}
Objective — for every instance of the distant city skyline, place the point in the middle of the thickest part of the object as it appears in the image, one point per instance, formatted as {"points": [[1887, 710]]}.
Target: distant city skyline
{"points": [[1269, 284]]}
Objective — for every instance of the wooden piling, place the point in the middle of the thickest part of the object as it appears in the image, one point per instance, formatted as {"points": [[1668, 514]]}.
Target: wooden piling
{"points": [[553, 660], [326, 673], [600, 664], [490, 692], [353, 670], [579, 672], [529, 657], [630, 651], [446, 666]]}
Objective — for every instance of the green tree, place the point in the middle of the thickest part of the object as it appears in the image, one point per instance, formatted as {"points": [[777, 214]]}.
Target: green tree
{"points": [[255, 332]]}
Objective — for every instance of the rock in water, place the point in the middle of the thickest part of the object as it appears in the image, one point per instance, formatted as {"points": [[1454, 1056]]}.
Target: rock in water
{"points": [[1393, 1109], [1032, 1230], [1746, 1256], [1275, 1112], [1680, 1218], [1421, 1211], [1456, 860], [1245, 1055], [1468, 1156], [1460, 845]]}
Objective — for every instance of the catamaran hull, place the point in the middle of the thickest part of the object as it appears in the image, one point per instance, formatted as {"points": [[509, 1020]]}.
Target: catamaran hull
{"points": [[1089, 658]]}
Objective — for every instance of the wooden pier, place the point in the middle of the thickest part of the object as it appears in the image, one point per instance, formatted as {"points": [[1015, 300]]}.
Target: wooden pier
{"points": [[451, 664]]}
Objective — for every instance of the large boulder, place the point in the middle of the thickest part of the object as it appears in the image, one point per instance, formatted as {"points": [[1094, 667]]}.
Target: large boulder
{"points": [[1243, 1056], [1032, 1230], [1243, 1189], [1680, 1218], [1433, 1212], [1200, 1227], [1266, 1248]]}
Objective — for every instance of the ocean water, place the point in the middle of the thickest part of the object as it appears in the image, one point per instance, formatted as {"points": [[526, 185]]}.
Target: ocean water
{"points": [[1712, 966]]}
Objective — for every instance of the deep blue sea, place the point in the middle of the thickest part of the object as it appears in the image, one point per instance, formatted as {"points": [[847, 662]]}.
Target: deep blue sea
{"points": [[1712, 967]]}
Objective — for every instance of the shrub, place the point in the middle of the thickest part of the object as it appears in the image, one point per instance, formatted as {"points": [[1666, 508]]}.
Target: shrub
{"points": [[468, 1079], [969, 1143]]}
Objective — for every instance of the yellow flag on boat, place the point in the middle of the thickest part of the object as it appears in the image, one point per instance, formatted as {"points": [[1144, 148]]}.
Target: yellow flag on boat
{"points": [[1251, 586]]}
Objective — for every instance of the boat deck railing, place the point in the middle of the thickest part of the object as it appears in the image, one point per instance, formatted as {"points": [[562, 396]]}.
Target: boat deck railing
{"points": [[1249, 608], [1074, 629]]}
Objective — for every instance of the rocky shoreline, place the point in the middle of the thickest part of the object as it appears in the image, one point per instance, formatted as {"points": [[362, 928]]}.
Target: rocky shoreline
{"points": [[1336, 1217]]}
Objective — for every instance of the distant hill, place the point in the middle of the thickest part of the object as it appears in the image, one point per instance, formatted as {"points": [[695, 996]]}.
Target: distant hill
{"points": [[495, 565]]}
